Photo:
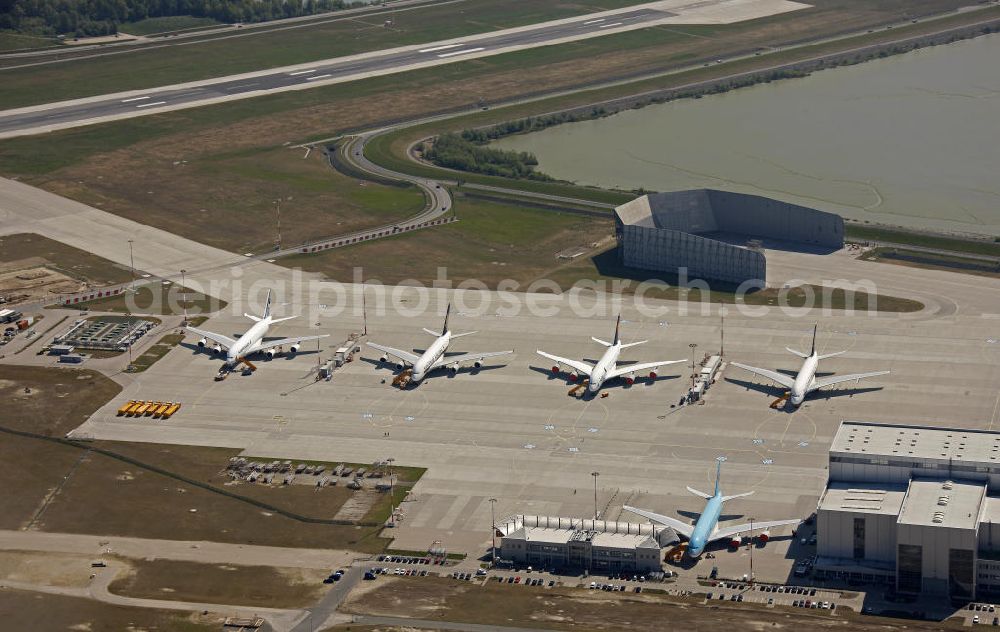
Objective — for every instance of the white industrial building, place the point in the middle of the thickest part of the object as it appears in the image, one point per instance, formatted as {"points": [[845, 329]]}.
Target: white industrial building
{"points": [[597, 545], [911, 506]]}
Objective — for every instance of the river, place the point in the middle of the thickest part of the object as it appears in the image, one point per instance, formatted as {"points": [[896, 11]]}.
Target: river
{"points": [[911, 140]]}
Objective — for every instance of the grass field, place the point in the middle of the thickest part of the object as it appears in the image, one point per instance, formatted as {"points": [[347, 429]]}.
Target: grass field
{"points": [[25, 610], [261, 49], [10, 41], [577, 609], [154, 298], [72, 489], [262, 586], [236, 167], [70, 261], [164, 24]]}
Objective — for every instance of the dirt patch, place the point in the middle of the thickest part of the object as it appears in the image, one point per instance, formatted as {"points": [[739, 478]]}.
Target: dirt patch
{"points": [[48, 569], [221, 583]]}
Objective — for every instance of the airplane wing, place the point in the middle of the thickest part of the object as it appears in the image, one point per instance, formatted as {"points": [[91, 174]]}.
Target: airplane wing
{"points": [[681, 528], [576, 365], [405, 356], [639, 368], [468, 357], [267, 344], [728, 532], [225, 341], [837, 379], [774, 376]]}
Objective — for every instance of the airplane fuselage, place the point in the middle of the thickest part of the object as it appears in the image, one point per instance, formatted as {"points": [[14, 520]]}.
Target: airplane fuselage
{"points": [[706, 525], [429, 357], [804, 380], [248, 342], [607, 363]]}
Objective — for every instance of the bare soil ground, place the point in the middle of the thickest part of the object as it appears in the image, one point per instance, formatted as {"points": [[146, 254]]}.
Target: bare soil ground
{"points": [[50, 569], [579, 609], [23, 610], [262, 586], [64, 488]]}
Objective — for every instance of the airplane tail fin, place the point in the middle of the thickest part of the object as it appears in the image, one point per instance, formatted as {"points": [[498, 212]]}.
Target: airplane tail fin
{"points": [[743, 495], [447, 313], [815, 327], [267, 306], [618, 325]]}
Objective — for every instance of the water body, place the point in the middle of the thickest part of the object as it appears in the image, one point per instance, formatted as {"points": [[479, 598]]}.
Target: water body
{"points": [[911, 140]]}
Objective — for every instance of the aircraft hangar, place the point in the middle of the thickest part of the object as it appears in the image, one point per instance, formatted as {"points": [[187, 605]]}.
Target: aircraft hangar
{"points": [[915, 507], [706, 231]]}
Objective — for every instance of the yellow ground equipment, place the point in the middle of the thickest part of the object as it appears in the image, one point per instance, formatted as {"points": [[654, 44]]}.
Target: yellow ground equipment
{"points": [[141, 410], [162, 409], [152, 409], [676, 553], [170, 411], [403, 378], [778, 403], [578, 387], [125, 407], [134, 407]]}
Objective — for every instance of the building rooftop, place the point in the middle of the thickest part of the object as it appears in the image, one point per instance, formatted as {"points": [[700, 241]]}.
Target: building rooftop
{"points": [[864, 498], [944, 503], [856, 437]]}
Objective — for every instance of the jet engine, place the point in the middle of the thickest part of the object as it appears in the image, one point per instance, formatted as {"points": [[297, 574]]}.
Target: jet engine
{"points": [[453, 368], [630, 379], [217, 349], [478, 364], [384, 358], [764, 536], [652, 375], [736, 540], [400, 366], [202, 343], [270, 353], [294, 348], [555, 370], [573, 376]]}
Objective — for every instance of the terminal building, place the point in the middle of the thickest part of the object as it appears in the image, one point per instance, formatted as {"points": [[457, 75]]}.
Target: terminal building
{"points": [[706, 231], [596, 545], [914, 507]]}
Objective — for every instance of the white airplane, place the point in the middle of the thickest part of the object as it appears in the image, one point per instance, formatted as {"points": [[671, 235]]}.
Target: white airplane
{"points": [[706, 528], [805, 381], [253, 340], [434, 356], [607, 367]]}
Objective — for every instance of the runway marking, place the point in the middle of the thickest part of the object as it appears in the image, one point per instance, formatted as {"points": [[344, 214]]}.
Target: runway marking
{"points": [[133, 99], [242, 85], [149, 105], [318, 77], [607, 26], [437, 48], [302, 72], [594, 21], [462, 52]]}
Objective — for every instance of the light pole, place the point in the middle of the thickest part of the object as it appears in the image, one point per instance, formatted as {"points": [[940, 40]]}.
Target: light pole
{"points": [[595, 475], [693, 347], [184, 297], [751, 551], [392, 495], [493, 531], [277, 241], [132, 263], [128, 312]]}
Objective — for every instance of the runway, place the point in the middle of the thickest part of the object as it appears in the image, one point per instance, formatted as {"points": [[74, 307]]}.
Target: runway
{"points": [[86, 111]]}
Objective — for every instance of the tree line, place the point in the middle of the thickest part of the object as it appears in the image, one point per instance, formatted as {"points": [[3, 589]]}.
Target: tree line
{"points": [[454, 151], [103, 17]]}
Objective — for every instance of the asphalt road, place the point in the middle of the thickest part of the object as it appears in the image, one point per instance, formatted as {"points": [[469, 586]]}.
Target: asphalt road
{"points": [[84, 111]]}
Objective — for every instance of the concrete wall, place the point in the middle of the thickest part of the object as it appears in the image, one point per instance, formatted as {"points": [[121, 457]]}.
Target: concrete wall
{"points": [[835, 535], [937, 543], [660, 232]]}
